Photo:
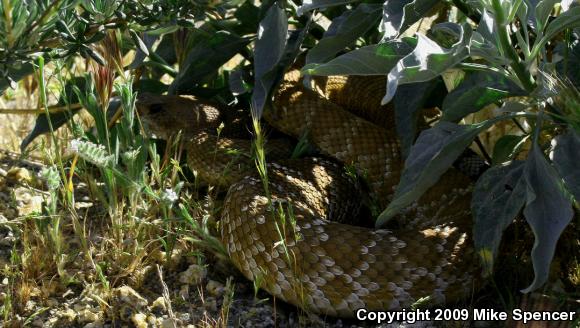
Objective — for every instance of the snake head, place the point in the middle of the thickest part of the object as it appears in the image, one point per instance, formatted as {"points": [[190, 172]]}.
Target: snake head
{"points": [[164, 115]]}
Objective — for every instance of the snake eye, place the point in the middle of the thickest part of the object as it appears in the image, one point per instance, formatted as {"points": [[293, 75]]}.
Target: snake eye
{"points": [[156, 108]]}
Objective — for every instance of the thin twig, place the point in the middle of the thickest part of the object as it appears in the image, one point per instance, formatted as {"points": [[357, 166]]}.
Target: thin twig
{"points": [[482, 149], [166, 296]]}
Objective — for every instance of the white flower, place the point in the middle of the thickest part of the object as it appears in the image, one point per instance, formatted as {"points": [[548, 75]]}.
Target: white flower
{"points": [[169, 196]]}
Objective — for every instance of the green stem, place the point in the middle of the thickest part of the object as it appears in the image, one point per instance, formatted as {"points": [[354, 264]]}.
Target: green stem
{"points": [[464, 8], [506, 46]]}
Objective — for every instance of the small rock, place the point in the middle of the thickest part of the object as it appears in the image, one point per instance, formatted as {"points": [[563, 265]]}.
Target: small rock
{"points": [[87, 316], [96, 324], [19, 174], [51, 302], [215, 288], [80, 306], [27, 202], [68, 314], [193, 275], [184, 292], [184, 317], [38, 323], [168, 323], [129, 296], [158, 305], [139, 320], [30, 305]]}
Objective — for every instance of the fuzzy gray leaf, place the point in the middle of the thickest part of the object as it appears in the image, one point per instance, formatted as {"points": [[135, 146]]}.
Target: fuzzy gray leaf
{"points": [[548, 211], [428, 60], [499, 195]]}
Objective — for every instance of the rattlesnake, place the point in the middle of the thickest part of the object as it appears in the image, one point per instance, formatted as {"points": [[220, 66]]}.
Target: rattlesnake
{"points": [[277, 233]]}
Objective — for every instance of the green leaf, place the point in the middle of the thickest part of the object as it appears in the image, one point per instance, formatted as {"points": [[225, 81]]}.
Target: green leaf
{"points": [[268, 51], [428, 60], [344, 31], [68, 96], [273, 53], [138, 42], [507, 147], [541, 13], [164, 30], [210, 52], [548, 211], [483, 42], [377, 59], [569, 66], [432, 155], [566, 157], [15, 73], [567, 20], [499, 195], [477, 90], [408, 101], [152, 86], [399, 15], [308, 5], [248, 17]]}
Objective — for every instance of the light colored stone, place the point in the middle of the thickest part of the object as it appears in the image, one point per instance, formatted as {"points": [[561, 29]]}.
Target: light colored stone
{"points": [[193, 275], [87, 316], [159, 304], [168, 323], [139, 320], [129, 296], [215, 288], [19, 174]]}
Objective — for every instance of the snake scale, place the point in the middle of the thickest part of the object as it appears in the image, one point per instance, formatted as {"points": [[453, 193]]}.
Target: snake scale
{"points": [[301, 245]]}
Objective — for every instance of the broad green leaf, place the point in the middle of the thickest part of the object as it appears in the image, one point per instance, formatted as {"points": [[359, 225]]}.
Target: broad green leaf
{"points": [[152, 86], [377, 59], [398, 15], [569, 66], [507, 147], [566, 157], [537, 13], [248, 17], [543, 10], [567, 20], [477, 90], [208, 54], [499, 195], [548, 211], [432, 154], [275, 49], [407, 103], [268, 50], [344, 31], [484, 40], [308, 5], [428, 60]]}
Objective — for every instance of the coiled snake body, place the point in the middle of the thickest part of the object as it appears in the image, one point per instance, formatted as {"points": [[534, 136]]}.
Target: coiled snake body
{"points": [[293, 237]]}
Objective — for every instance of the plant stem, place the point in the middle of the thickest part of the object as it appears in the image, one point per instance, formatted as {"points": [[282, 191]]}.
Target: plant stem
{"points": [[464, 8], [506, 46]]}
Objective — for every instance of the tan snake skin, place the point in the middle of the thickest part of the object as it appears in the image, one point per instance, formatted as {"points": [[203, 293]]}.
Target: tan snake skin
{"points": [[296, 247]]}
